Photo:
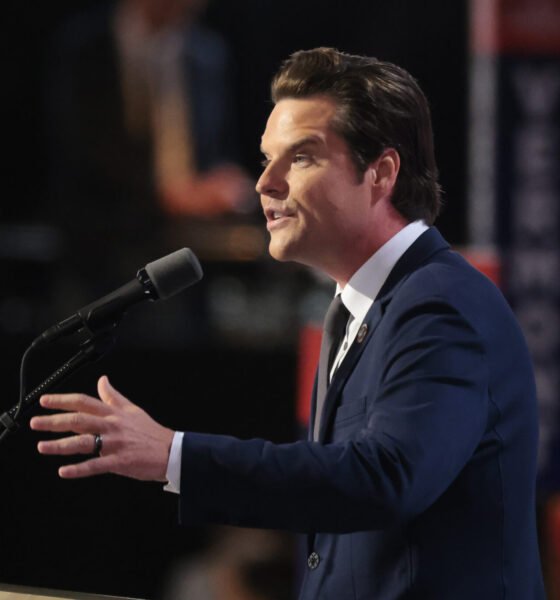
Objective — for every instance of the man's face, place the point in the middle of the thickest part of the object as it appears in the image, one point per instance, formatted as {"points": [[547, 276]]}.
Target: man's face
{"points": [[316, 205]]}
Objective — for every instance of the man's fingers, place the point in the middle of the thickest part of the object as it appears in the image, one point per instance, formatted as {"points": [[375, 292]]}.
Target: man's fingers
{"points": [[109, 394], [75, 403], [76, 422], [76, 444], [88, 468]]}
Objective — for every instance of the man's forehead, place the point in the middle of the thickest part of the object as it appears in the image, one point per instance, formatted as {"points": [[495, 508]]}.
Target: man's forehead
{"points": [[293, 118]]}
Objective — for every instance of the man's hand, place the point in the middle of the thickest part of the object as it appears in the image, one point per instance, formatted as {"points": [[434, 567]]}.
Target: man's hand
{"points": [[133, 445]]}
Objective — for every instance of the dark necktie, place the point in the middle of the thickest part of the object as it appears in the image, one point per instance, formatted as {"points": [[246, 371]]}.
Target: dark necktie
{"points": [[333, 332]]}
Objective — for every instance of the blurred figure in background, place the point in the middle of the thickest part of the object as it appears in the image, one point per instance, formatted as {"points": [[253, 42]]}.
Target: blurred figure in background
{"points": [[140, 112], [238, 564]]}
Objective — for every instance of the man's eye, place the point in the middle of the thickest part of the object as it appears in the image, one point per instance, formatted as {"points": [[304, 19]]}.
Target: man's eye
{"points": [[302, 159], [265, 162]]}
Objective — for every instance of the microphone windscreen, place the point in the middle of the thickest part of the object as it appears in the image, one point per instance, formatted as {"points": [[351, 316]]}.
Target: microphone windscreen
{"points": [[174, 272]]}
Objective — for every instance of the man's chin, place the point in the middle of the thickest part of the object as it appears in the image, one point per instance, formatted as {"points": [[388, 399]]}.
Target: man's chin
{"points": [[279, 256], [280, 252]]}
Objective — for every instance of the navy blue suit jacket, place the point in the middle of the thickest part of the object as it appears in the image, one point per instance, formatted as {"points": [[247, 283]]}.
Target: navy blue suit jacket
{"points": [[422, 483]]}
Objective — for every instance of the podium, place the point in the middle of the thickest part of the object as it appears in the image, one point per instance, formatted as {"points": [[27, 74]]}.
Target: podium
{"points": [[21, 592]]}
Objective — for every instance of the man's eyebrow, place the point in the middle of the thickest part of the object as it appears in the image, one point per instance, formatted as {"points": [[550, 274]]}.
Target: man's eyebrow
{"points": [[310, 140]]}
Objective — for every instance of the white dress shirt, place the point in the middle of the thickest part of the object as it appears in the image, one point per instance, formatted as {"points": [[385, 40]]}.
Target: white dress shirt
{"points": [[357, 296], [361, 291]]}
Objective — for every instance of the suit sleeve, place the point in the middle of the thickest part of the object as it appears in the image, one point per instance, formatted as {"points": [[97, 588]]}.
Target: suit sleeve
{"points": [[424, 423]]}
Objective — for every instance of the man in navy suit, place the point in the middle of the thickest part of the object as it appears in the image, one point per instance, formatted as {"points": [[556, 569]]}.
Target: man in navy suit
{"points": [[417, 480]]}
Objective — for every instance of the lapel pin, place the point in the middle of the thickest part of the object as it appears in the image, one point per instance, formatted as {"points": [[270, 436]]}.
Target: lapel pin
{"points": [[362, 332]]}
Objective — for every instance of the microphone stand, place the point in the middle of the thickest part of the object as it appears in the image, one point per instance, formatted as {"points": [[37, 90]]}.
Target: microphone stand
{"points": [[90, 351]]}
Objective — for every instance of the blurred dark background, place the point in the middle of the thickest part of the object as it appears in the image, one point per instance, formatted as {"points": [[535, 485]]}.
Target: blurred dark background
{"points": [[223, 357]]}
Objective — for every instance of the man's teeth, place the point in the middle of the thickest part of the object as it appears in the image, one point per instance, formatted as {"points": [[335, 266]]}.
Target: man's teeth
{"points": [[276, 215]]}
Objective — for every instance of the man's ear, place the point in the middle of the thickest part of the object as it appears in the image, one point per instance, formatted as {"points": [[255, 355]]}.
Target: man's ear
{"points": [[384, 170]]}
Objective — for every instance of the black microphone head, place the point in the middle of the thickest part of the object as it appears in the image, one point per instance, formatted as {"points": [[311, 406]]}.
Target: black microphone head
{"points": [[174, 272]]}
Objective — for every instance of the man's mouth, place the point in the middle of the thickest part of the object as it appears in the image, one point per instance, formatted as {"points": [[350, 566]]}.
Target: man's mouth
{"points": [[273, 214], [275, 217]]}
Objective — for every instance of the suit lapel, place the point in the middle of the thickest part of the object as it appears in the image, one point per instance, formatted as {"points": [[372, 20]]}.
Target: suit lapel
{"points": [[421, 250], [372, 320]]}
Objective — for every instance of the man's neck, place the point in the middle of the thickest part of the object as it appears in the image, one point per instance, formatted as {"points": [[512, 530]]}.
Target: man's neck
{"points": [[381, 236]]}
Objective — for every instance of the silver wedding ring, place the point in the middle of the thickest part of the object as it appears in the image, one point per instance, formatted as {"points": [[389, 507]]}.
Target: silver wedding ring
{"points": [[97, 444]]}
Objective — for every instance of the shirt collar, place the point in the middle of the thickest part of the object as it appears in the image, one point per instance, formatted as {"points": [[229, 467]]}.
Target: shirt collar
{"points": [[360, 292]]}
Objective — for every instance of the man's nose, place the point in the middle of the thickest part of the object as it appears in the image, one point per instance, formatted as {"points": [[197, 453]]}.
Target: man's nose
{"points": [[272, 183]]}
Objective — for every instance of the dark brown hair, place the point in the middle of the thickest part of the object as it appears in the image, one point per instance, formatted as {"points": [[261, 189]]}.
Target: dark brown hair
{"points": [[380, 105]]}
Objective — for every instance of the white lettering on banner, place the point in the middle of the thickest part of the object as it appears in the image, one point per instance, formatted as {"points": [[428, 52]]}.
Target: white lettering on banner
{"points": [[537, 210], [541, 324], [535, 147], [538, 89], [548, 384], [534, 270]]}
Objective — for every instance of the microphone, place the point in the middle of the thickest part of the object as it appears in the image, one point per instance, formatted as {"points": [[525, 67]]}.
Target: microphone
{"points": [[158, 280]]}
